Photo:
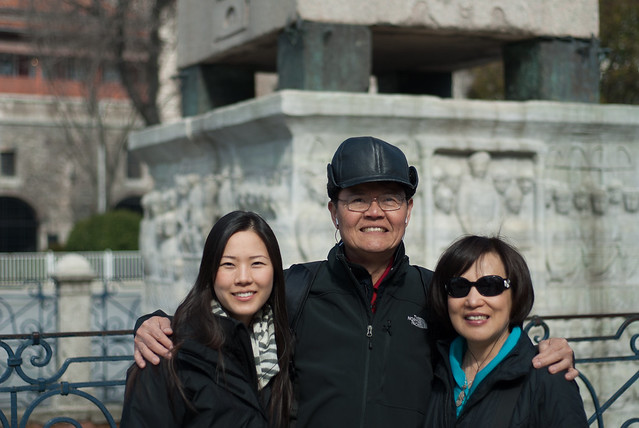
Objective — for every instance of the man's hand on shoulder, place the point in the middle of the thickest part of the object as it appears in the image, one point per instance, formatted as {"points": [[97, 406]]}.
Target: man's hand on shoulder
{"points": [[557, 355], [152, 341]]}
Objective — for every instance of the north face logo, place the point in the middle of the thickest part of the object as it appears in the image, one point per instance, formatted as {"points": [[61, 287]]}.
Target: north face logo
{"points": [[418, 322]]}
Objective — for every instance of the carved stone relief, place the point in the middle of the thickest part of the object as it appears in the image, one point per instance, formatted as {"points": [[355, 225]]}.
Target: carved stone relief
{"points": [[313, 227], [593, 189], [565, 251], [485, 193]]}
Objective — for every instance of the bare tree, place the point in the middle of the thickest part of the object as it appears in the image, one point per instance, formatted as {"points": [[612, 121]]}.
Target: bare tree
{"points": [[148, 15], [96, 56]]}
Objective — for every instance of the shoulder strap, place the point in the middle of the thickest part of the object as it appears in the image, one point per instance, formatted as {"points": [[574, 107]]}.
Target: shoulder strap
{"points": [[298, 281], [426, 276]]}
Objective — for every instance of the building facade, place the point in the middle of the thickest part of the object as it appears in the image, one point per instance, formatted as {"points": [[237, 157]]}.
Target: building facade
{"points": [[63, 153]]}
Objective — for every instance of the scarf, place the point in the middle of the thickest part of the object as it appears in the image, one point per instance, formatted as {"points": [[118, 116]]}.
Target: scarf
{"points": [[262, 335]]}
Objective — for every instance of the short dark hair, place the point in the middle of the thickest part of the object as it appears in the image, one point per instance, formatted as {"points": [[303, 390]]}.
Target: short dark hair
{"points": [[458, 258]]}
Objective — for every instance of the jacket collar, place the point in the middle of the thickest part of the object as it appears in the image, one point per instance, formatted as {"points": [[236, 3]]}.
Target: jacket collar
{"points": [[516, 364], [337, 255]]}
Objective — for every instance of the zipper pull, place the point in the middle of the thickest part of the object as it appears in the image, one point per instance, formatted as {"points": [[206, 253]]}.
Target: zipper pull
{"points": [[369, 334]]}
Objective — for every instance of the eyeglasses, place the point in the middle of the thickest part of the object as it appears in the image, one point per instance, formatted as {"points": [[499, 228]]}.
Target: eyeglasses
{"points": [[360, 204], [488, 286]]}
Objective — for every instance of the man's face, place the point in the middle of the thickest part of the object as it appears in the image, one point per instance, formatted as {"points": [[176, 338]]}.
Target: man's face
{"points": [[373, 233]]}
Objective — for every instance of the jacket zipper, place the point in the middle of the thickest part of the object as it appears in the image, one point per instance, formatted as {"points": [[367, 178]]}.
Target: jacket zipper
{"points": [[369, 336]]}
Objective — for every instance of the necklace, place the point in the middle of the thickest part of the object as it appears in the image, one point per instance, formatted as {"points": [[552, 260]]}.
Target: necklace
{"points": [[462, 394], [461, 398]]}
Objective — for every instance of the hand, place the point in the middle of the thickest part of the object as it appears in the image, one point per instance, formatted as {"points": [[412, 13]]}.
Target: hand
{"points": [[151, 341], [557, 355]]}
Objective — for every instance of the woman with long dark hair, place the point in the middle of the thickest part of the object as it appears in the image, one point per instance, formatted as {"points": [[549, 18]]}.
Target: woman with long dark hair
{"points": [[230, 362]]}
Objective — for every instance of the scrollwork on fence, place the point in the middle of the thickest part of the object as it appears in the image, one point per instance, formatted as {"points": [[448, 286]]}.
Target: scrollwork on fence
{"points": [[30, 375], [596, 353], [29, 385]]}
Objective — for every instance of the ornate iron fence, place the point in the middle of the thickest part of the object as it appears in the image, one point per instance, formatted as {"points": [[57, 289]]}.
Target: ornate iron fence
{"points": [[30, 375], [607, 368], [30, 307], [38, 384], [37, 377]]}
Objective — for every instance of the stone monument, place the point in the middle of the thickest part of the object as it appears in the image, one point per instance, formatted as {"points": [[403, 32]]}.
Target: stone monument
{"points": [[549, 168]]}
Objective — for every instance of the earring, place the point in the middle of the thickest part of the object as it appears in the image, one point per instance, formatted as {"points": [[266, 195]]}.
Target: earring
{"points": [[406, 220]]}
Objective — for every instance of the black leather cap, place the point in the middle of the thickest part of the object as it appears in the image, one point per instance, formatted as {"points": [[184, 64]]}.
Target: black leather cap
{"points": [[368, 159]]}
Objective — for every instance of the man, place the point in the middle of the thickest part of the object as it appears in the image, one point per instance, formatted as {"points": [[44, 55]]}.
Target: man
{"points": [[363, 347]]}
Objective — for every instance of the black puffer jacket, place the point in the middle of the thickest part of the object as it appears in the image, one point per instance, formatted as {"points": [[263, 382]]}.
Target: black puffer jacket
{"points": [[359, 369], [221, 398], [545, 400]]}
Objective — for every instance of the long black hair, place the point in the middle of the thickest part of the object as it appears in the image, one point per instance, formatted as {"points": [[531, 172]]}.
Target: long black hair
{"points": [[458, 258], [195, 317]]}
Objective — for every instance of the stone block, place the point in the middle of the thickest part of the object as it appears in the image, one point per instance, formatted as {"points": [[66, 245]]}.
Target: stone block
{"points": [[329, 57], [552, 69], [269, 155], [407, 35]]}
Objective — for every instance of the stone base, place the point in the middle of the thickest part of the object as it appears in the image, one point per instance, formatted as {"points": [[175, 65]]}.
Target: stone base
{"points": [[559, 180]]}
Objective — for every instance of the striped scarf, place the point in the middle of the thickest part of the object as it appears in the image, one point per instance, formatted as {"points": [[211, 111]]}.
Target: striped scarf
{"points": [[262, 334]]}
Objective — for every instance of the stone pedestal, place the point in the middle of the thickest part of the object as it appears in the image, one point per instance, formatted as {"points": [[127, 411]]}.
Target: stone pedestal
{"points": [[73, 279], [560, 180]]}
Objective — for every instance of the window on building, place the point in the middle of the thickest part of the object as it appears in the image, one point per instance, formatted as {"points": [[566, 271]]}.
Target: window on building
{"points": [[133, 167], [16, 65], [66, 69], [6, 65], [110, 73], [77, 69], [53, 241], [8, 164]]}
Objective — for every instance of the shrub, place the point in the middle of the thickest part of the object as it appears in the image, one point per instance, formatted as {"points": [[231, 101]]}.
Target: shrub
{"points": [[115, 230]]}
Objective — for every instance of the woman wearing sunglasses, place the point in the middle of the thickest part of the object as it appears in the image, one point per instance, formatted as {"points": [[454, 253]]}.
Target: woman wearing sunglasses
{"points": [[481, 293]]}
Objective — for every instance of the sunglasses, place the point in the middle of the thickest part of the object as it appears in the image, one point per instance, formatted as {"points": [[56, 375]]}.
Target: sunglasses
{"points": [[488, 286]]}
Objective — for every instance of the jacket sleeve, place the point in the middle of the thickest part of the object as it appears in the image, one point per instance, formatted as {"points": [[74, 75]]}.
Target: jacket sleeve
{"points": [[139, 321], [147, 400], [559, 402]]}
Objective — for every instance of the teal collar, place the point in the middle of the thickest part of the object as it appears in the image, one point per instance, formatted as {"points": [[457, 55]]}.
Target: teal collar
{"points": [[456, 356]]}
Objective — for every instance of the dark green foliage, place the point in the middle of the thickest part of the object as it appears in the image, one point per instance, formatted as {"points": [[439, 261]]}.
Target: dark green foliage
{"points": [[114, 230], [619, 35], [488, 82], [619, 32]]}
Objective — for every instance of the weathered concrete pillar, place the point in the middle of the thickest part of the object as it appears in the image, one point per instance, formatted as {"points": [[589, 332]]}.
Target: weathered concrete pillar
{"points": [[324, 57], [73, 279], [557, 69], [206, 86]]}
